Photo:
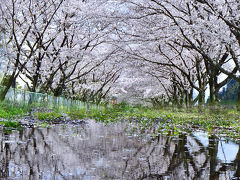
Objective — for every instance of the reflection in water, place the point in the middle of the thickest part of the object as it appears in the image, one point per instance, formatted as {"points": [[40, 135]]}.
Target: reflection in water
{"points": [[97, 151]]}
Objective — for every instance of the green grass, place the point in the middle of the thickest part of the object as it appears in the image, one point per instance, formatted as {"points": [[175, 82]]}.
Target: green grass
{"points": [[12, 124], [219, 120], [43, 125], [10, 110], [48, 116], [120, 112], [9, 126]]}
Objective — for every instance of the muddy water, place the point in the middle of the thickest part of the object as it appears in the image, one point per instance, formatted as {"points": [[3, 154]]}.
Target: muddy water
{"points": [[97, 151]]}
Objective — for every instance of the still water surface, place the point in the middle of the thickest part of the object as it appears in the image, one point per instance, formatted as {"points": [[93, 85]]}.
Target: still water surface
{"points": [[98, 151]]}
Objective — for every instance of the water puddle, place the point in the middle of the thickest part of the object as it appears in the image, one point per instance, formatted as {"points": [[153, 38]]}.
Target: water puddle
{"points": [[98, 151]]}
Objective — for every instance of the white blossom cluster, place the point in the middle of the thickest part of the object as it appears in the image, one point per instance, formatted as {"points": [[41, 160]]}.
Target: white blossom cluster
{"points": [[102, 48]]}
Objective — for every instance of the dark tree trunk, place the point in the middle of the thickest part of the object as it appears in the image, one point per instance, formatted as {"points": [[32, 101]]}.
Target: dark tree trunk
{"points": [[238, 97], [10, 82], [211, 95], [201, 98]]}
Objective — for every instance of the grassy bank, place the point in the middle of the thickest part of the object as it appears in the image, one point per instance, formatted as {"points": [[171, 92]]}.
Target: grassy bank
{"points": [[219, 121]]}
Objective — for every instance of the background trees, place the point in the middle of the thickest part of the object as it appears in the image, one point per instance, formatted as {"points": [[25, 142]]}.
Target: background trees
{"points": [[185, 36]]}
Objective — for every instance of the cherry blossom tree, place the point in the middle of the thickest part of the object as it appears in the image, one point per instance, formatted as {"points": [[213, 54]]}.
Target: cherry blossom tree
{"points": [[20, 21], [177, 27], [60, 42], [161, 48], [227, 14]]}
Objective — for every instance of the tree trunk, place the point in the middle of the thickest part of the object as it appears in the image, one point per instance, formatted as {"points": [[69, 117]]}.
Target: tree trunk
{"points": [[211, 95], [216, 97], [190, 98], [10, 82], [238, 97], [186, 99], [201, 98]]}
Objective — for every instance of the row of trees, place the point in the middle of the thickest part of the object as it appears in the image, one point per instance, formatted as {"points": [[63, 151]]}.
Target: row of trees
{"points": [[81, 48], [58, 47], [195, 44]]}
